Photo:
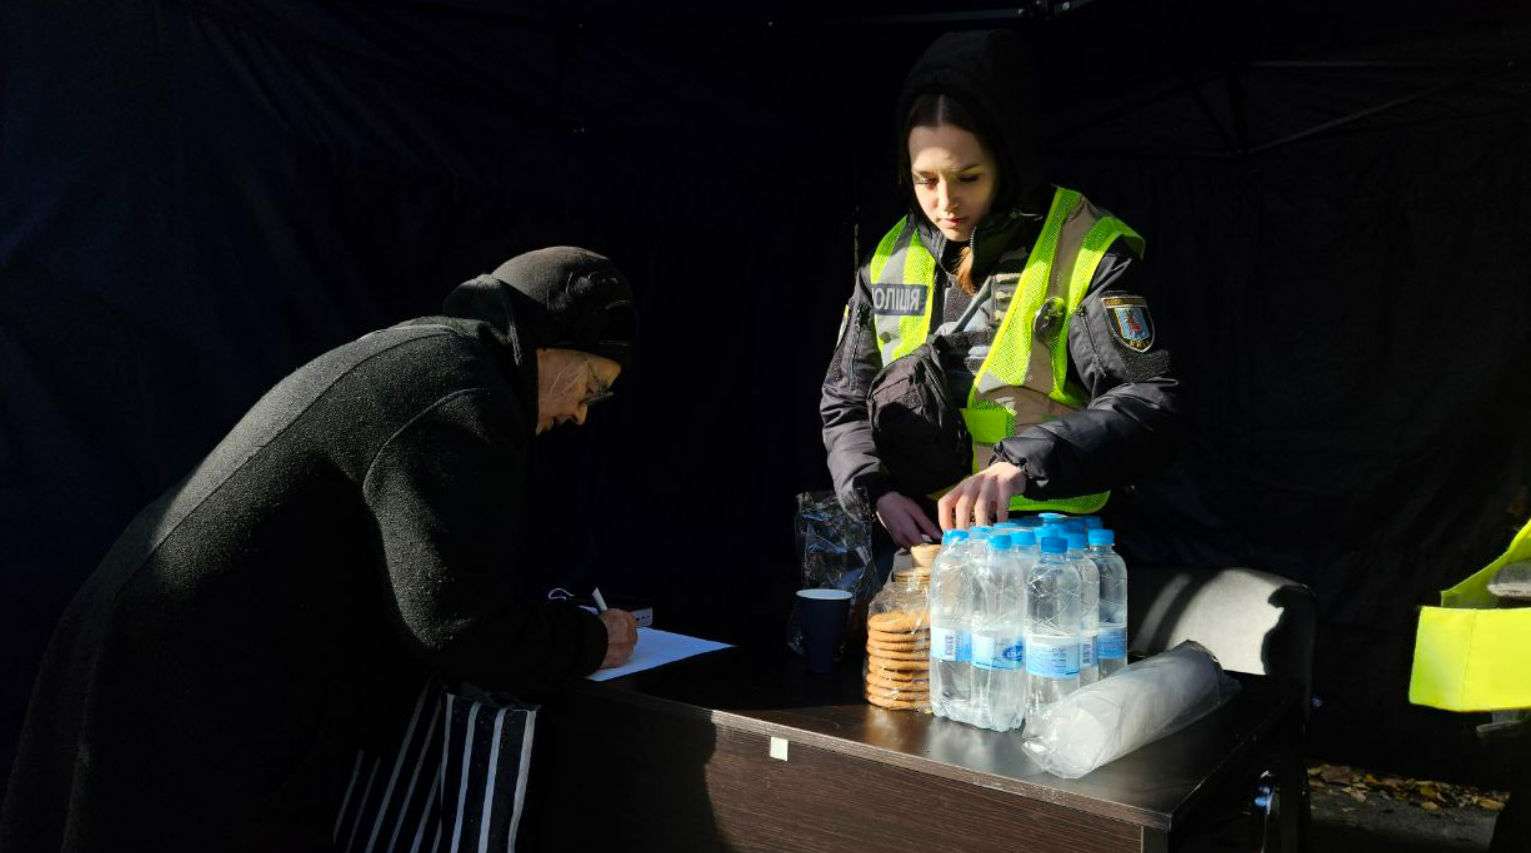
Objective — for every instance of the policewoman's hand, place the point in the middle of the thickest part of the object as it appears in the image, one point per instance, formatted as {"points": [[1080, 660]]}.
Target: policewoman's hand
{"points": [[905, 521], [621, 637], [983, 498]]}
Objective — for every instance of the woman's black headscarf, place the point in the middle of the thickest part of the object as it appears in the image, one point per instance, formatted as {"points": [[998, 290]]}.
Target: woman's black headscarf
{"points": [[561, 297]]}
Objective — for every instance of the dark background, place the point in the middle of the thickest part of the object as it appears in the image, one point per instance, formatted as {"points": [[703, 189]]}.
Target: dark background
{"points": [[197, 196]]}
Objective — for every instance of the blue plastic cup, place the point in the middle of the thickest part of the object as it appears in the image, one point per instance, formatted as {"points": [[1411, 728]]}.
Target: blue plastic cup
{"points": [[822, 614]]}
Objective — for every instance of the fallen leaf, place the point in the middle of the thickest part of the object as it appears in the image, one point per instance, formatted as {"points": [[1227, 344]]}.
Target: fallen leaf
{"points": [[1338, 774], [1428, 790], [1358, 796], [1429, 806], [1371, 780], [1488, 804]]}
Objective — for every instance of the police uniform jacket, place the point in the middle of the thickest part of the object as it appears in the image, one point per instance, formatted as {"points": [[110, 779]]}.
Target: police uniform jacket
{"points": [[1133, 422]]}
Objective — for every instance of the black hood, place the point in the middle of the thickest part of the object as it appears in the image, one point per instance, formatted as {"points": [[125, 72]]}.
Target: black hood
{"points": [[560, 297], [989, 72]]}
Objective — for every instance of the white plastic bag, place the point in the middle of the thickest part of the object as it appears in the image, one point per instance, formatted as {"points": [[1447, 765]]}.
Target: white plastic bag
{"points": [[1104, 721]]}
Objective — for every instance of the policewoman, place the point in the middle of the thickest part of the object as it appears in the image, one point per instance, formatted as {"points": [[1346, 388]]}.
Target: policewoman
{"points": [[1000, 352]]}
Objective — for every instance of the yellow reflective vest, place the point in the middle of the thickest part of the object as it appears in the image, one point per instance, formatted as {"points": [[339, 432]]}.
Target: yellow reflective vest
{"points": [[1023, 380], [1469, 653]]}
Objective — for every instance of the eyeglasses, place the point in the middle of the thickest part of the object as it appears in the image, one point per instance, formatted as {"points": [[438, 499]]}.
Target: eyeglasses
{"points": [[602, 392]]}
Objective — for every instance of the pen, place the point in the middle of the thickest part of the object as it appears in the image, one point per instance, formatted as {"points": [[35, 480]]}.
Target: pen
{"points": [[600, 602]]}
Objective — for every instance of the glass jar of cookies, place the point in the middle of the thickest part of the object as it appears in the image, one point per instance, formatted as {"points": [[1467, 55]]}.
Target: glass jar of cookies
{"points": [[898, 643]]}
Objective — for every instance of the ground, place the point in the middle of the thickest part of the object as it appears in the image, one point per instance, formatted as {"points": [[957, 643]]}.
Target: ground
{"points": [[1355, 811], [1358, 811]]}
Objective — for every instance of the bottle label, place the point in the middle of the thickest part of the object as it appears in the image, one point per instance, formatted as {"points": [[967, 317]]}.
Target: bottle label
{"points": [[1087, 652], [1112, 644], [990, 652], [1052, 657], [950, 644]]}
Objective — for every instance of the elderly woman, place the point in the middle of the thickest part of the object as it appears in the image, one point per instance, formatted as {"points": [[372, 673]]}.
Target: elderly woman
{"points": [[270, 622]]}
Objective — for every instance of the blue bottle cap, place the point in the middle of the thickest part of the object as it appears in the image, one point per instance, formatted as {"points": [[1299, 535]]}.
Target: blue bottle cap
{"points": [[1054, 545], [982, 529], [951, 536], [1102, 537], [1030, 522], [1052, 530], [1052, 516], [1092, 522], [1075, 527], [978, 534], [1023, 539], [999, 542], [1007, 525], [1076, 541]]}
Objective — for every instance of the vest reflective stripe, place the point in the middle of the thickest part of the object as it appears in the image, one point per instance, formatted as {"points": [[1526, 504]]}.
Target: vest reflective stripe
{"points": [[1014, 388], [901, 259], [1096, 241]]}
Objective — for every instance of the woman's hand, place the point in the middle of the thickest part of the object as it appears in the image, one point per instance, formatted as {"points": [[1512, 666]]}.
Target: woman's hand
{"points": [[983, 498], [621, 637], [905, 521]]}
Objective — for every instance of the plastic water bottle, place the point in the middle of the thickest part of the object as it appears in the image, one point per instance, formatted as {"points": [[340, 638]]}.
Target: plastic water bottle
{"points": [[975, 556], [1054, 530], [999, 680], [951, 677], [1089, 606], [1052, 626], [1092, 522], [1024, 543], [1111, 645], [1052, 518]]}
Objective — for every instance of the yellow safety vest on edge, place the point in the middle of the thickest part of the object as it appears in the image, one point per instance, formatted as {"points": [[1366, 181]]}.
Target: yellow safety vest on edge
{"points": [[1018, 385], [1470, 654]]}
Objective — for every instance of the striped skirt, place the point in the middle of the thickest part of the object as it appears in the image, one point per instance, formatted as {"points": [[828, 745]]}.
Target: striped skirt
{"points": [[457, 782]]}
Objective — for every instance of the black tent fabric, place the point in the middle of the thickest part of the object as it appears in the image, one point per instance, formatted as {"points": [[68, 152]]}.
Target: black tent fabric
{"points": [[197, 196]]}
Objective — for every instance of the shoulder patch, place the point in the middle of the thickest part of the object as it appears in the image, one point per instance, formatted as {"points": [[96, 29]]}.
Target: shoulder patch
{"points": [[1130, 322]]}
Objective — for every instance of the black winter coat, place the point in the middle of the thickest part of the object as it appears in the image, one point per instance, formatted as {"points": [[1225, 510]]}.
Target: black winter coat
{"points": [[281, 607]]}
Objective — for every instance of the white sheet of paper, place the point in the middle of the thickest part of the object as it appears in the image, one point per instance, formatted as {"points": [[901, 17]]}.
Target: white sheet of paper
{"points": [[657, 648]]}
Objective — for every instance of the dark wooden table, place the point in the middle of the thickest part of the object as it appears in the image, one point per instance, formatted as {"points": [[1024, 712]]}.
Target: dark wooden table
{"points": [[744, 750]]}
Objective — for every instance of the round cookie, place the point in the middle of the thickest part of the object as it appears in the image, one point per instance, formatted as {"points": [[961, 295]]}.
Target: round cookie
{"points": [[899, 704], [924, 555], [873, 671], [885, 654], [905, 642], [897, 691], [878, 680], [914, 701], [898, 621], [879, 662], [885, 633], [912, 646]]}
